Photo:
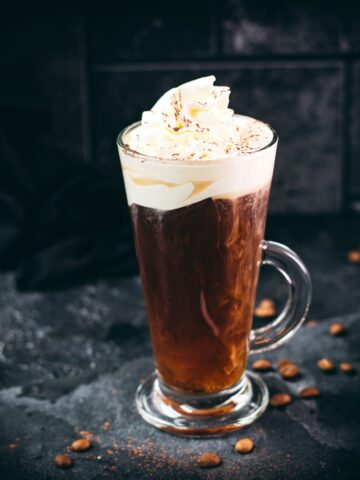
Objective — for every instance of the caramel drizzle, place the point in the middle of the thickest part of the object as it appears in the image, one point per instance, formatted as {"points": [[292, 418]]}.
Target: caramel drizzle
{"points": [[147, 181]]}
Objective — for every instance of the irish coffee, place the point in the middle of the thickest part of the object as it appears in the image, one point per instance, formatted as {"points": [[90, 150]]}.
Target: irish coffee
{"points": [[199, 267], [197, 179]]}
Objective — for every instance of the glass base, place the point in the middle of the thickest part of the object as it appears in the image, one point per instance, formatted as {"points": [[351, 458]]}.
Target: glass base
{"points": [[205, 415]]}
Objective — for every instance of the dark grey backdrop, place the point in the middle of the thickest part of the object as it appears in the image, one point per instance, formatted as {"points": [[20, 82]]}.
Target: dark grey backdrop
{"points": [[73, 78]]}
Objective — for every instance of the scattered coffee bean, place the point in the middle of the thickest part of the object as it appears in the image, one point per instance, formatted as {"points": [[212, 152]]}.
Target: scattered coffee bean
{"points": [[280, 399], [309, 392], [267, 302], [289, 370], [80, 445], [282, 362], [245, 445], [209, 460], [266, 308], [336, 329], [311, 323], [63, 461], [354, 256], [262, 365], [326, 365], [346, 367]]}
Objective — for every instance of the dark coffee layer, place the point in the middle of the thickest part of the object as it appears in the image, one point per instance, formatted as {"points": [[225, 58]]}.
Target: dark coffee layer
{"points": [[199, 268]]}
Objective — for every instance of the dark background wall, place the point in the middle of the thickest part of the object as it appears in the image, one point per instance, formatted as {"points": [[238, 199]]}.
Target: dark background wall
{"points": [[72, 78]]}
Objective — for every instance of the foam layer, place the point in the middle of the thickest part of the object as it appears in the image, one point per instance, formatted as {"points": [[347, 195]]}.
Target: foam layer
{"points": [[172, 183]]}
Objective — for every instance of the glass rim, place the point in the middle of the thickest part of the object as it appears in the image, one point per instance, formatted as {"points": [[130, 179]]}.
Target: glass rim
{"points": [[179, 161]]}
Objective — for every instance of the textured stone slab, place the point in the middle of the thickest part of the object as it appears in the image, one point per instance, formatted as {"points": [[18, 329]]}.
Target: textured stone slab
{"points": [[303, 102], [310, 438], [286, 27], [152, 30]]}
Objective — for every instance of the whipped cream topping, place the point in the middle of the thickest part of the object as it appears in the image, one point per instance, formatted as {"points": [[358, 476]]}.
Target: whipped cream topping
{"points": [[193, 121], [191, 147]]}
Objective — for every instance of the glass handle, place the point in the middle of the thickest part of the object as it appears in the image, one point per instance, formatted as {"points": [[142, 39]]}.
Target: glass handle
{"points": [[299, 295]]}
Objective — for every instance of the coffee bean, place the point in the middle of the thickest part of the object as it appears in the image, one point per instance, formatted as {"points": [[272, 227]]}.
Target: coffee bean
{"points": [[262, 365], [336, 329], [80, 445], [311, 323], [309, 392], [280, 399], [326, 365], [346, 367], [209, 460], [289, 370], [282, 362], [245, 445], [354, 256], [266, 308], [63, 461]]}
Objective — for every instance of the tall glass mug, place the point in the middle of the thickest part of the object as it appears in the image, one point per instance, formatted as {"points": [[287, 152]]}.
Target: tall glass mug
{"points": [[198, 228]]}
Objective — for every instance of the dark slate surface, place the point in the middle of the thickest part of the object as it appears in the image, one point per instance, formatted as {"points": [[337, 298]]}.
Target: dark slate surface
{"points": [[288, 27], [71, 360], [354, 174], [302, 100], [151, 30]]}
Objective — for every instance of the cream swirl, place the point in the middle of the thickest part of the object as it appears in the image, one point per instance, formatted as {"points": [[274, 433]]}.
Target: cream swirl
{"points": [[191, 121]]}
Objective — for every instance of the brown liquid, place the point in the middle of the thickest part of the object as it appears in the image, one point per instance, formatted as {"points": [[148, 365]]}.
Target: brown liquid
{"points": [[199, 268]]}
